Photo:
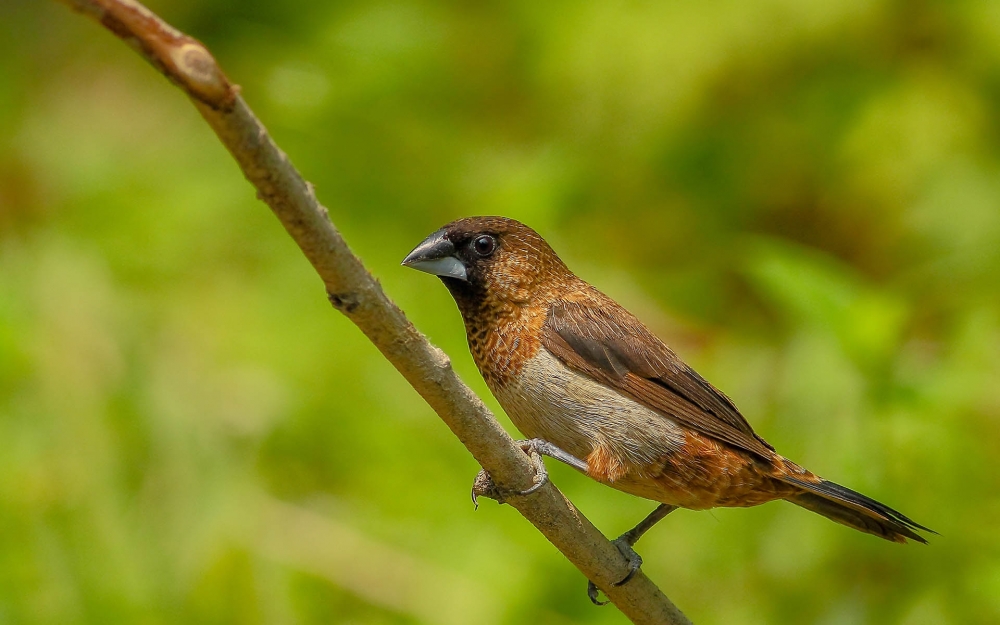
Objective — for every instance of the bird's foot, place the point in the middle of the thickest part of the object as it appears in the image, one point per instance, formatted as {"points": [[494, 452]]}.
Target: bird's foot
{"points": [[624, 545], [484, 486], [626, 541]]}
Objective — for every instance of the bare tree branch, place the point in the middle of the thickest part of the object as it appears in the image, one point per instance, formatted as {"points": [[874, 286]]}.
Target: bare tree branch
{"points": [[354, 292]]}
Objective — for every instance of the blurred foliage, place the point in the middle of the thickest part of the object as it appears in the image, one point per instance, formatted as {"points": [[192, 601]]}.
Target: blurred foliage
{"points": [[802, 197]]}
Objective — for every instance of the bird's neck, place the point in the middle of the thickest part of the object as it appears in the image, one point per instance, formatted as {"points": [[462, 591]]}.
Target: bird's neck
{"points": [[502, 336], [504, 325]]}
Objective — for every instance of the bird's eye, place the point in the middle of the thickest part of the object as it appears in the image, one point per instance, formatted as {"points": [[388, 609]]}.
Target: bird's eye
{"points": [[484, 245]]}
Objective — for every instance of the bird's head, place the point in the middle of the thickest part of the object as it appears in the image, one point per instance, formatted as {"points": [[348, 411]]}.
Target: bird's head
{"points": [[494, 257]]}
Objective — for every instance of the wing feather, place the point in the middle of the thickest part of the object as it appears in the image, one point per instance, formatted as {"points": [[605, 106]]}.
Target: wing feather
{"points": [[611, 345]]}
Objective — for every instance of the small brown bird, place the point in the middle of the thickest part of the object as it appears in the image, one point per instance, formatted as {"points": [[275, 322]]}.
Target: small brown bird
{"points": [[593, 387]]}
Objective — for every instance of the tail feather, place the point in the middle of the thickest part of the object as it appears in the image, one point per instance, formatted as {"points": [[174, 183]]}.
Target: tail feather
{"points": [[853, 509]]}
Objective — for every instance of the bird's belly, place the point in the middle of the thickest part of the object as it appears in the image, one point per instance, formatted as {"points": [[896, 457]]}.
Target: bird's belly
{"points": [[585, 418], [627, 445]]}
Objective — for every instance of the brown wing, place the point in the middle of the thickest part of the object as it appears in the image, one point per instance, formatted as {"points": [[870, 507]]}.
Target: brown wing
{"points": [[609, 344]]}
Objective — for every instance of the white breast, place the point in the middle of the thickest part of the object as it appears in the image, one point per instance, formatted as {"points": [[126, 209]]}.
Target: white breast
{"points": [[572, 411]]}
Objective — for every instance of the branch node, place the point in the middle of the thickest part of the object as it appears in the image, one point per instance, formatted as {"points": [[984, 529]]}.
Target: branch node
{"points": [[346, 302], [200, 74], [443, 361]]}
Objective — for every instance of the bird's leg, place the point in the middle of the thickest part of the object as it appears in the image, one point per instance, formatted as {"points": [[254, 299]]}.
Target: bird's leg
{"points": [[625, 542], [538, 447], [483, 485]]}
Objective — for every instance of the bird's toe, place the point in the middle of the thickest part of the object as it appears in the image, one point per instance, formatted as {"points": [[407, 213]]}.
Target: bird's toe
{"points": [[484, 486], [634, 559], [624, 546], [592, 592]]}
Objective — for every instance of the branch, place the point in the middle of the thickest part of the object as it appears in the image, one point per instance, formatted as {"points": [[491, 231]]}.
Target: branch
{"points": [[355, 293]]}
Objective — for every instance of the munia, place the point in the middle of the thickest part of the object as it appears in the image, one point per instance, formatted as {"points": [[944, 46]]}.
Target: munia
{"points": [[589, 384]]}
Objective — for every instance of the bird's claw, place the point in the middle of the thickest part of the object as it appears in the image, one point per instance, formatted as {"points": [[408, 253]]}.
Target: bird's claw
{"points": [[530, 447], [593, 593], [484, 486], [624, 546], [634, 559]]}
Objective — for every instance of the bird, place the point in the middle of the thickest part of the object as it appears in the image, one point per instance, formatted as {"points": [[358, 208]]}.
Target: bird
{"points": [[589, 384]]}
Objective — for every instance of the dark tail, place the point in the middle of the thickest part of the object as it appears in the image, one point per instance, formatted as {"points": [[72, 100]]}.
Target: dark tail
{"points": [[853, 509]]}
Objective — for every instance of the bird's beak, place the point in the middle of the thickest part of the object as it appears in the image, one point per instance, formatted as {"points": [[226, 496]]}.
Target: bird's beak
{"points": [[436, 255]]}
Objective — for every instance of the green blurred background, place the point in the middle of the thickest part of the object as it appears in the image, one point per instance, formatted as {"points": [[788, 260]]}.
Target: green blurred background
{"points": [[802, 197]]}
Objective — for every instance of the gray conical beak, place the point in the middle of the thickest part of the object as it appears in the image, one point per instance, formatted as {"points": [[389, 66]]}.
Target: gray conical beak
{"points": [[436, 255]]}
